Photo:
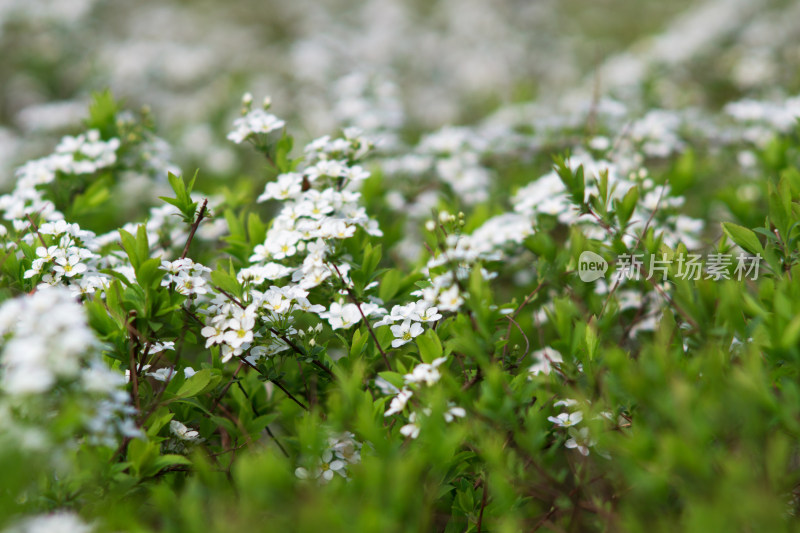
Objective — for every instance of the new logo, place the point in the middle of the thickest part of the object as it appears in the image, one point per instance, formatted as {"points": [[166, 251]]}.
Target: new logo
{"points": [[591, 266]]}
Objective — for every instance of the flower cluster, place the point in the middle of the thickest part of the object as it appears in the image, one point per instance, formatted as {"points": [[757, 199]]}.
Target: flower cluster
{"points": [[254, 122], [187, 277], [58, 522], [343, 450], [423, 375], [234, 326], [64, 258], [49, 347], [83, 154], [411, 316], [459, 253]]}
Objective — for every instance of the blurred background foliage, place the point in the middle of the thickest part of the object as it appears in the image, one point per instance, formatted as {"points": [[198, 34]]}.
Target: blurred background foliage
{"points": [[714, 443]]}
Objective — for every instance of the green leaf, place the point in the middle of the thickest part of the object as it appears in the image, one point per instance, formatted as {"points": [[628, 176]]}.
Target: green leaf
{"points": [[142, 246], [95, 195], [430, 347], [282, 149], [744, 237], [199, 383], [129, 245], [226, 282], [165, 461], [149, 274], [390, 284], [159, 419], [791, 334], [394, 378], [256, 229], [258, 424], [182, 200], [141, 453], [102, 113], [358, 343], [372, 256], [626, 207]]}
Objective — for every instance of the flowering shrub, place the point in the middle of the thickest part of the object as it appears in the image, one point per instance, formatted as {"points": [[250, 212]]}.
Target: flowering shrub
{"points": [[578, 321]]}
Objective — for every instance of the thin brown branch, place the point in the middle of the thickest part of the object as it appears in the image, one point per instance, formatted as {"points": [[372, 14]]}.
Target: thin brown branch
{"points": [[195, 225], [364, 317], [132, 369], [483, 503], [36, 230], [276, 383]]}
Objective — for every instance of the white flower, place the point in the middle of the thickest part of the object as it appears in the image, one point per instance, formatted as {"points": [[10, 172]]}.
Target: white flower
{"points": [[326, 168], [314, 277], [240, 332], [568, 402], [405, 312], [57, 522], [399, 402], [427, 313], [426, 373], [305, 305], [254, 122], [405, 332], [581, 440], [453, 413], [342, 316], [345, 447], [182, 432], [69, 266], [189, 285], [450, 300], [411, 429], [213, 334], [288, 186], [276, 303], [325, 470], [544, 361], [566, 420], [162, 374]]}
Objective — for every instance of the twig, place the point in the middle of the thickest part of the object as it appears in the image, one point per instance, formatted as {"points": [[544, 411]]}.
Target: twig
{"points": [[133, 372], [323, 367], [468, 385], [527, 342], [255, 412], [230, 297], [525, 302], [19, 239], [36, 230], [228, 386], [364, 317], [275, 382], [483, 503], [194, 228]]}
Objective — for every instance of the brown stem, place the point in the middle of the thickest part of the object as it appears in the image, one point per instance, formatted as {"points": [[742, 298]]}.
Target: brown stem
{"points": [[132, 370], [18, 240], [363, 316], [257, 414], [230, 297], [483, 503], [36, 230], [276, 383], [227, 387], [192, 231]]}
